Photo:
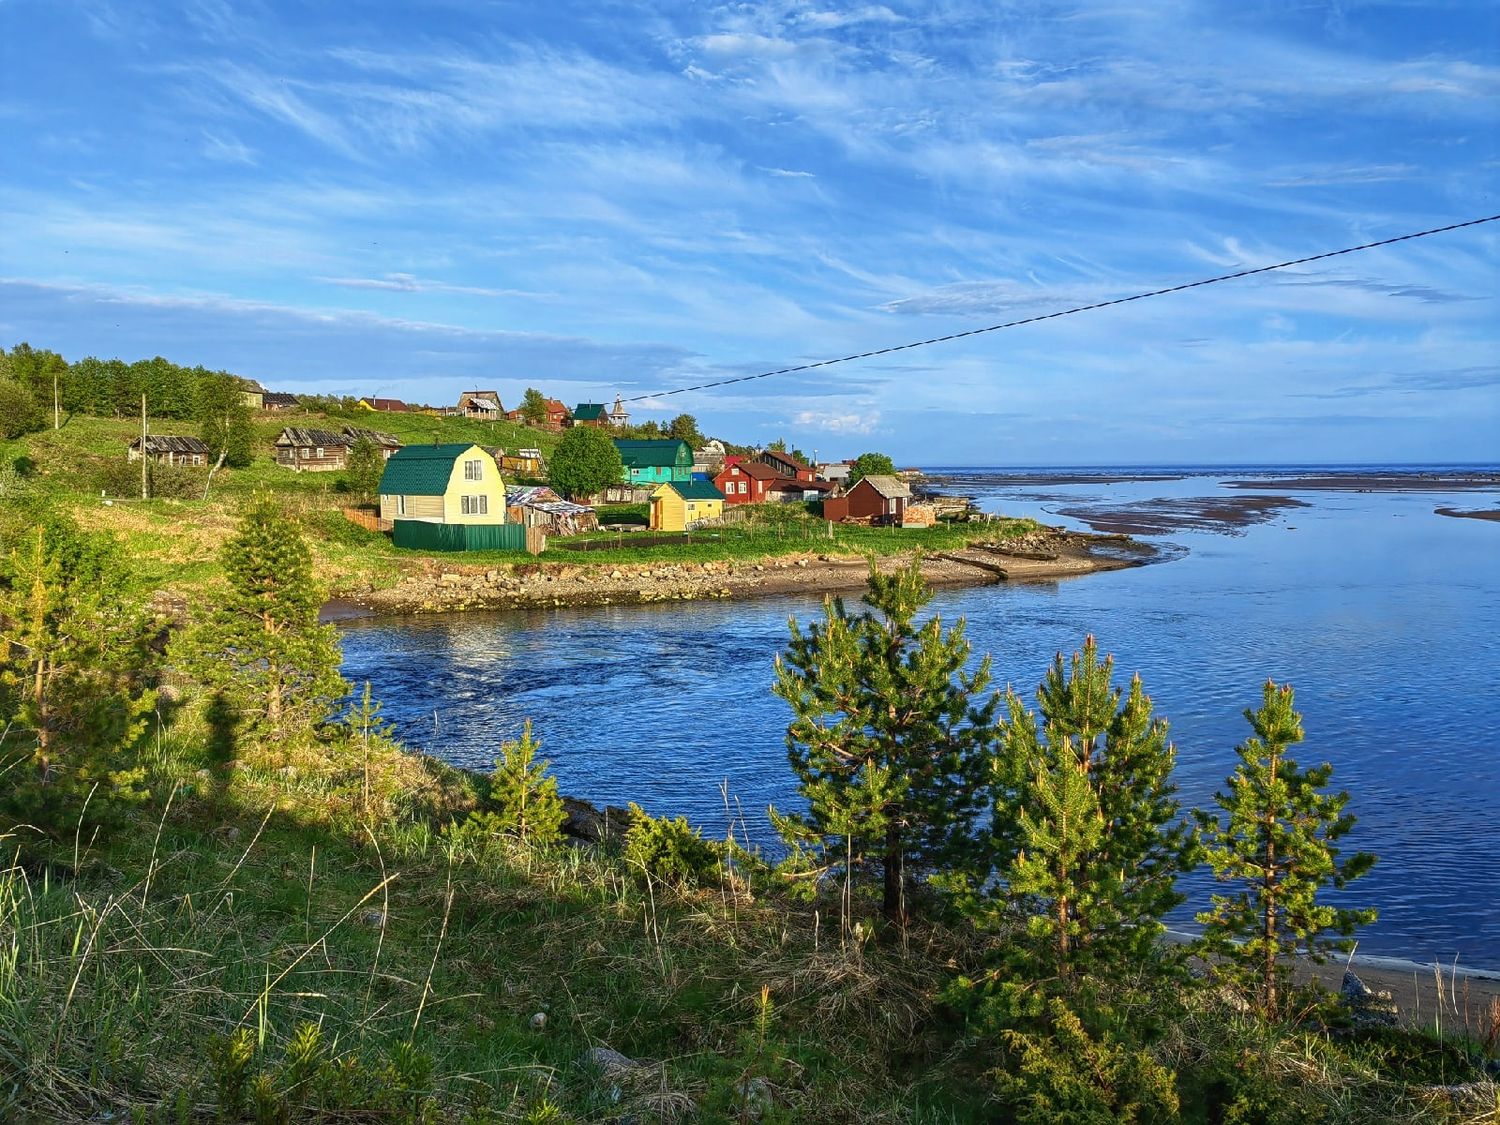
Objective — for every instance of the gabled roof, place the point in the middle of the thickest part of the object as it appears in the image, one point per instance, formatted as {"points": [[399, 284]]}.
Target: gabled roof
{"points": [[485, 400], [387, 441], [323, 439], [694, 489], [887, 486], [589, 412], [785, 459], [756, 470], [555, 407], [168, 443], [651, 453], [394, 405], [791, 484], [279, 398], [422, 470]]}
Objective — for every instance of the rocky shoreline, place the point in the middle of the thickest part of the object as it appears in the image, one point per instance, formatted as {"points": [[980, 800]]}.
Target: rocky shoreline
{"points": [[444, 586]]}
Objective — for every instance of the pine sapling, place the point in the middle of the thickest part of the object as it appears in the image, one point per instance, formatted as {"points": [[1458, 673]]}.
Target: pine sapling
{"points": [[1277, 841]]}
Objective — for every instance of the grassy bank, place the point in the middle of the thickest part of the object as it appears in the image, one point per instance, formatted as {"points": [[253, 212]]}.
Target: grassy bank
{"points": [[293, 937]]}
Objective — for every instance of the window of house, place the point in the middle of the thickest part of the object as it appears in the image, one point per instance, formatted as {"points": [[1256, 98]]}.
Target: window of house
{"points": [[473, 470], [475, 505], [401, 505], [304, 453], [320, 453]]}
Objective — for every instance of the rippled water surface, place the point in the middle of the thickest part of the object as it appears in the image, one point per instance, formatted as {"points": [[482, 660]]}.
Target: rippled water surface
{"points": [[1382, 614]]}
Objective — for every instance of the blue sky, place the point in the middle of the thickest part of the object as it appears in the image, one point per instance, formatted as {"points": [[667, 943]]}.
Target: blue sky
{"points": [[601, 197]]}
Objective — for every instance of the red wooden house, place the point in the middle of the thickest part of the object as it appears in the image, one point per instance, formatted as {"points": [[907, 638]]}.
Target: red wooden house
{"points": [[746, 482], [785, 465]]}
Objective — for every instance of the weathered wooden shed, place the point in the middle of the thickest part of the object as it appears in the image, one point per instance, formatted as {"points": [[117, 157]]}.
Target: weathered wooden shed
{"points": [[312, 451], [539, 506], [877, 499]]}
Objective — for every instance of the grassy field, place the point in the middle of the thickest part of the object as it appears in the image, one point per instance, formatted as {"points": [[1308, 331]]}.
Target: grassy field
{"points": [[174, 540]]}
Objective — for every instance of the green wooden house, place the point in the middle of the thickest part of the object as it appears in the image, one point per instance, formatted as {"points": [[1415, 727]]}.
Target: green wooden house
{"points": [[653, 462]]}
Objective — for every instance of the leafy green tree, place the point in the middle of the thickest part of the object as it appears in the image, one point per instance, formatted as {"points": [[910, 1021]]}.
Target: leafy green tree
{"points": [[585, 462], [75, 672], [225, 420], [684, 427], [533, 407], [1086, 836], [870, 465], [366, 465], [890, 738], [1278, 841], [19, 410], [262, 647]]}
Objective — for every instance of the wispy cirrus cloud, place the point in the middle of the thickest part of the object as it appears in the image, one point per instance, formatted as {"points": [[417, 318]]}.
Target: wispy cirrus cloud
{"points": [[409, 283]]}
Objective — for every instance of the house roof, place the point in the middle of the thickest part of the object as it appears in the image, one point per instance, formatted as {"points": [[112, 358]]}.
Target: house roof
{"points": [[422, 470], [650, 453], [294, 436], [887, 486], [789, 484], [785, 459], [543, 499], [695, 489], [392, 404], [589, 412], [555, 407], [168, 443], [279, 398], [485, 400], [388, 441], [757, 470]]}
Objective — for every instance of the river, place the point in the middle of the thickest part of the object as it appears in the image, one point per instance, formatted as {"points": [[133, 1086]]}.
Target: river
{"points": [[1384, 616]]}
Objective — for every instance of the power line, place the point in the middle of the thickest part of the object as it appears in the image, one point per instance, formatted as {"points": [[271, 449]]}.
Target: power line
{"points": [[1069, 312]]}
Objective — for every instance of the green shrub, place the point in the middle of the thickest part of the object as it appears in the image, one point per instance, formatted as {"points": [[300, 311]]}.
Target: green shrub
{"points": [[672, 851], [523, 800]]}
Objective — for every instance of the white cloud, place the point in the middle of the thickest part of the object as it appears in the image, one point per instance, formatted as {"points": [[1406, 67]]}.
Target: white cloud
{"points": [[839, 422]]}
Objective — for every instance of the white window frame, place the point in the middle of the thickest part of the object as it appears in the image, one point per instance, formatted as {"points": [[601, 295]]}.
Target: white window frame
{"points": [[474, 505], [473, 469]]}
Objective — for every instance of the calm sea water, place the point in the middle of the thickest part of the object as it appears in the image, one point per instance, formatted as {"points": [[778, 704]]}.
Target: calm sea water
{"points": [[1383, 615]]}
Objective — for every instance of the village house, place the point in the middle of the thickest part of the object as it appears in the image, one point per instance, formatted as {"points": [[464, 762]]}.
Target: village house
{"points": [[746, 482], [835, 472], [558, 415], [785, 464], [619, 418], [312, 451], [527, 462], [447, 497], [252, 394], [484, 405], [386, 443], [709, 460], [785, 490], [389, 405], [875, 499], [652, 461], [591, 414], [681, 505], [166, 449], [278, 400]]}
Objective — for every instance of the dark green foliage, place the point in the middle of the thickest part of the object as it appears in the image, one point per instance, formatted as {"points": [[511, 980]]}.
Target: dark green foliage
{"points": [[533, 407], [20, 413], [1061, 1072], [1277, 842], [365, 467], [75, 676], [225, 419], [262, 646], [671, 851], [584, 463], [870, 465], [890, 739], [684, 427], [1087, 845]]}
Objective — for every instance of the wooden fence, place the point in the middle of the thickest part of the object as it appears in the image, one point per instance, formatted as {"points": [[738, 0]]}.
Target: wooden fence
{"points": [[367, 519]]}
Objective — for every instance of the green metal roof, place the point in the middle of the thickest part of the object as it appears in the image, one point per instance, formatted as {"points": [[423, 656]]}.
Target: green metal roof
{"points": [[645, 453], [695, 489], [589, 412], [422, 470]]}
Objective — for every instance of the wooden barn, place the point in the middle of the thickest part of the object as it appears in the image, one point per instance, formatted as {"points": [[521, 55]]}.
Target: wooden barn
{"points": [[386, 443], [167, 449], [875, 499]]}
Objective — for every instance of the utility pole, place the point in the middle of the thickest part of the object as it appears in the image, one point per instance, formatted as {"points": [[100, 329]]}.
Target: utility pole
{"points": [[144, 459], [56, 410]]}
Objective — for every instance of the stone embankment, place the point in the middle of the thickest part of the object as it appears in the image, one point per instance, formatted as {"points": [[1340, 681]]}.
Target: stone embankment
{"points": [[443, 585]]}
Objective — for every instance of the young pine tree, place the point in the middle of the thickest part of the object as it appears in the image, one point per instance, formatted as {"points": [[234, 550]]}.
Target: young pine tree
{"points": [[1277, 841], [262, 647], [75, 674], [1087, 842], [525, 799], [890, 738]]}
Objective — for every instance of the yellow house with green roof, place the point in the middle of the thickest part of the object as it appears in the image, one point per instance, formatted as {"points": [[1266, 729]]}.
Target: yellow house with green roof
{"points": [[447, 497], [679, 505]]}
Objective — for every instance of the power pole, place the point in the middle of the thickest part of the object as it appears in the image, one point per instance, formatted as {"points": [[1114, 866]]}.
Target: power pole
{"points": [[56, 410], [144, 460]]}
